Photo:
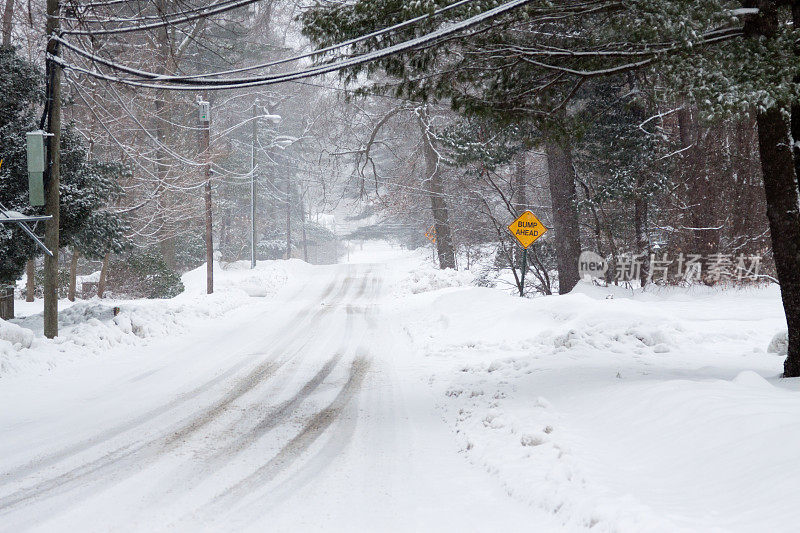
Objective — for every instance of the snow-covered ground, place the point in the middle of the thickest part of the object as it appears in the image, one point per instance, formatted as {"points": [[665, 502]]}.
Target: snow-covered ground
{"points": [[91, 329], [384, 395], [620, 411]]}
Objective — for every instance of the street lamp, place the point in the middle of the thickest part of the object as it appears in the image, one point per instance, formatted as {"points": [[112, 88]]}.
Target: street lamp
{"points": [[275, 119]]}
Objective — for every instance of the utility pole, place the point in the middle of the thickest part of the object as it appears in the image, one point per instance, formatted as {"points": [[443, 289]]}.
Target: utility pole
{"points": [[303, 222], [253, 189], [205, 141], [52, 193], [288, 217]]}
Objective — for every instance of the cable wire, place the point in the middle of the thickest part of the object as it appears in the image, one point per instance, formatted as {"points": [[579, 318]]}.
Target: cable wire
{"points": [[270, 79]]}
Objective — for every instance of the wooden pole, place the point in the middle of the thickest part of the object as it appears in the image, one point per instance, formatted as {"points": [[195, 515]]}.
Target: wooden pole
{"points": [[52, 196], [303, 221], [288, 217], [73, 275], [253, 191], [30, 283], [101, 285], [205, 142]]}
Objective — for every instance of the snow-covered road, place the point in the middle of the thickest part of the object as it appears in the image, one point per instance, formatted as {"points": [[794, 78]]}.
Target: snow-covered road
{"points": [[304, 412], [392, 396]]}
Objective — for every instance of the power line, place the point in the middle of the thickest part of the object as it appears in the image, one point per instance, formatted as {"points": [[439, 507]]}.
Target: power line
{"points": [[138, 17], [182, 84], [297, 57], [214, 9]]}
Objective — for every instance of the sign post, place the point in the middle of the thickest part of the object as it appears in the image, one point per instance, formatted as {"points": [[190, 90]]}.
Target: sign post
{"points": [[526, 229], [431, 235]]}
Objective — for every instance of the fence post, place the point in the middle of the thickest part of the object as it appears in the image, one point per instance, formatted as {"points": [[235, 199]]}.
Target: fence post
{"points": [[6, 302]]}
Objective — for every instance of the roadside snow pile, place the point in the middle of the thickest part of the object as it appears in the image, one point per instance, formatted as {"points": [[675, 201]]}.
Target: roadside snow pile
{"points": [[427, 279], [92, 328], [13, 336], [640, 412], [590, 325], [262, 281]]}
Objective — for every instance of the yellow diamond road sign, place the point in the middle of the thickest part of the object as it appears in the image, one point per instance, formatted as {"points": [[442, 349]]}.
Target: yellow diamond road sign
{"points": [[431, 234], [527, 229]]}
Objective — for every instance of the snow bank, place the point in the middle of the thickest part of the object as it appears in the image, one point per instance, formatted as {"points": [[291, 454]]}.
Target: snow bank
{"points": [[92, 328], [581, 321], [619, 410], [426, 279], [13, 338], [263, 281]]}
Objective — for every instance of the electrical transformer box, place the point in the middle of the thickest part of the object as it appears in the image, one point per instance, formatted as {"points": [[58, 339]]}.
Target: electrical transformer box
{"points": [[204, 110], [36, 165]]}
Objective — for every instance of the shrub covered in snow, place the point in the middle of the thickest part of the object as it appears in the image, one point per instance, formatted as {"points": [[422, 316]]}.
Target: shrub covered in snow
{"points": [[271, 249], [143, 275]]}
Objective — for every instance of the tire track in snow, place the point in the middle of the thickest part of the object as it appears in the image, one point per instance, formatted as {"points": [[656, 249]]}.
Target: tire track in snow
{"points": [[193, 473], [294, 449], [283, 411], [337, 442], [315, 428], [286, 408], [44, 462], [340, 438], [132, 455]]}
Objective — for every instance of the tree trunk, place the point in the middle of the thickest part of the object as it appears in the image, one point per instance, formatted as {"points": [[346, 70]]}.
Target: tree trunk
{"points": [[253, 189], [781, 190], [520, 181], [791, 297], [52, 194], [684, 127], [30, 283], [441, 223], [288, 219], [641, 201], [6, 302], [101, 285], [8, 22], [303, 226], [701, 191], [164, 64], [224, 224], [565, 214], [796, 103], [73, 275], [640, 209]]}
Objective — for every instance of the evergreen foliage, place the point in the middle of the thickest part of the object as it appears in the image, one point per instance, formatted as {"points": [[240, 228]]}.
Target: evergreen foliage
{"points": [[144, 274], [87, 186], [22, 89]]}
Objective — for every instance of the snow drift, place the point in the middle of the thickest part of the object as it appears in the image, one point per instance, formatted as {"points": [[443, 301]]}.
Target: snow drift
{"points": [[92, 328]]}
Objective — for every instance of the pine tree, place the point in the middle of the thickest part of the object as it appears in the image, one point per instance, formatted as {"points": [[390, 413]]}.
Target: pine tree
{"points": [[87, 186]]}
